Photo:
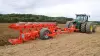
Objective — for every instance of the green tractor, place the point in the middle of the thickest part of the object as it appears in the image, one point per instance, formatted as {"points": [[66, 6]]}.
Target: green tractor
{"points": [[81, 22]]}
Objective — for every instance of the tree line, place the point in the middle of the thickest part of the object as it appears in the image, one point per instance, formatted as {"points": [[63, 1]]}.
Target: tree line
{"points": [[98, 22], [12, 18]]}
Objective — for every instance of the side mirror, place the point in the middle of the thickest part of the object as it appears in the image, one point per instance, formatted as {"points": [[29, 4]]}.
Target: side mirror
{"points": [[89, 15]]}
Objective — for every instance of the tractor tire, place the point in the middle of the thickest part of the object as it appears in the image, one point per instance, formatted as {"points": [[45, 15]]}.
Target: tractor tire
{"points": [[69, 24], [89, 27], [83, 27], [94, 28], [43, 33]]}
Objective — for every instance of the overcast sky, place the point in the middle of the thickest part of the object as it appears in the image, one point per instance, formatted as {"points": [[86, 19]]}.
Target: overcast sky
{"points": [[66, 8]]}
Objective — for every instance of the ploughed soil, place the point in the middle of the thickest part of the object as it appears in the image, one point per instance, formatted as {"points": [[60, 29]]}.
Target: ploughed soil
{"points": [[74, 44]]}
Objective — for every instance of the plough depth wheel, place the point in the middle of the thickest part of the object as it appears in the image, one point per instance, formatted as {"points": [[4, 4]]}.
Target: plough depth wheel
{"points": [[44, 34]]}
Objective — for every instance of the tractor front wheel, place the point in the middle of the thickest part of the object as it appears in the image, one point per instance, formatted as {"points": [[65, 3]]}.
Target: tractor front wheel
{"points": [[94, 28]]}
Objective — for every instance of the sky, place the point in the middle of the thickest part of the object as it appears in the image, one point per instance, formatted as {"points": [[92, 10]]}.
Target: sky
{"points": [[54, 8]]}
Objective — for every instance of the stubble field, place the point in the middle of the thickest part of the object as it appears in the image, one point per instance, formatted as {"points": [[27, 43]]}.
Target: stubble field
{"points": [[74, 44]]}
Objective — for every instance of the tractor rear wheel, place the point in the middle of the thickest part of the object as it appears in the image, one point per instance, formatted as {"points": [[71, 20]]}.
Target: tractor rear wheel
{"points": [[69, 24], [83, 27], [44, 34], [89, 27]]}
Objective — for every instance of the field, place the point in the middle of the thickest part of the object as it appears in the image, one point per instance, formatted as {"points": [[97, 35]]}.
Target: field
{"points": [[74, 44]]}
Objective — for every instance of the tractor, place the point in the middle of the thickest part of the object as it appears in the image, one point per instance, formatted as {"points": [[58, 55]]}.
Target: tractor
{"points": [[82, 24]]}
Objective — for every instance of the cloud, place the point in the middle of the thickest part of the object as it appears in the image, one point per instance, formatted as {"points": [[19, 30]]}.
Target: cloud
{"points": [[17, 6], [67, 8]]}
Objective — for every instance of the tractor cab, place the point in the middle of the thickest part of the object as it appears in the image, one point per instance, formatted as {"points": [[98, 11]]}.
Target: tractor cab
{"points": [[81, 18]]}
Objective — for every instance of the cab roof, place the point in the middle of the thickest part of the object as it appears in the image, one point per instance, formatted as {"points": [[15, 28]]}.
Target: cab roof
{"points": [[81, 15]]}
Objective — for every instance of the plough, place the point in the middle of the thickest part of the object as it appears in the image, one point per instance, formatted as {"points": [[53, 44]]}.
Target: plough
{"points": [[42, 30]]}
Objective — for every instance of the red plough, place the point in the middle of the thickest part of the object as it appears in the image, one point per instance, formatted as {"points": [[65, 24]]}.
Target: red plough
{"points": [[33, 30]]}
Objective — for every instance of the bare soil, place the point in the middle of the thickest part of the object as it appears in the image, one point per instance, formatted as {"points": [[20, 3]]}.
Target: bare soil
{"points": [[74, 44]]}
